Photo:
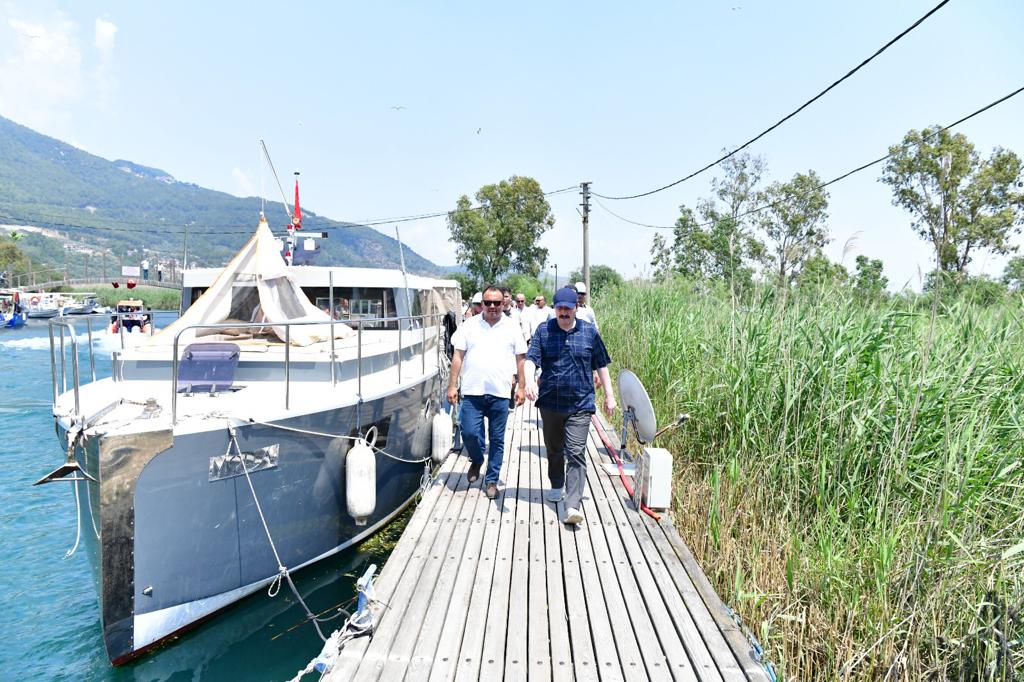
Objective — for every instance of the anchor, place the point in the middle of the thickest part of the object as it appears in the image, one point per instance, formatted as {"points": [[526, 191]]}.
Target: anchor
{"points": [[70, 465]]}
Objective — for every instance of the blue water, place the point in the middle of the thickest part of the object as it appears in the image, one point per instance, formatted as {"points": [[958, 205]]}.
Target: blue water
{"points": [[49, 613]]}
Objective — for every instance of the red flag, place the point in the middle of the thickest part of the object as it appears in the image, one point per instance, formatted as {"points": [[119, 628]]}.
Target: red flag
{"points": [[297, 220]]}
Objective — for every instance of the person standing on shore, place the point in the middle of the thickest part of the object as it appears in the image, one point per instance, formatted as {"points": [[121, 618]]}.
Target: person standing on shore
{"points": [[568, 351], [145, 269], [489, 352]]}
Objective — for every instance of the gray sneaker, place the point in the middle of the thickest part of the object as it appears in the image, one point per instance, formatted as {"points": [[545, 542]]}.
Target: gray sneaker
{"points": [[573, 517], [554, 495]]}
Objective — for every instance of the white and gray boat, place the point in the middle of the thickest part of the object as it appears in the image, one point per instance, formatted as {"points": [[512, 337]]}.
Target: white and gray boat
{"points": [[239, 421]]}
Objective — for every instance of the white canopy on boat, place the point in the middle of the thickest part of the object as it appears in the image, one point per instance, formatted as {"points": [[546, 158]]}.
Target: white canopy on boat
{"points": [[254, 287]]}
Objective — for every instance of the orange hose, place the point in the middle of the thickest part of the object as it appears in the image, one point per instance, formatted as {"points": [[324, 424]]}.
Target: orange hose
{"points": [[622, 474]]}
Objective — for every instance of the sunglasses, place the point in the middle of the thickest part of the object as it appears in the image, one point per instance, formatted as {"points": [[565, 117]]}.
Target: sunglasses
{"points": [[493, 304]]}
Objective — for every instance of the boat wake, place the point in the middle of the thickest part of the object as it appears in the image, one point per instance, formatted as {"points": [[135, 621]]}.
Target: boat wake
{"points": [[101, 340]]}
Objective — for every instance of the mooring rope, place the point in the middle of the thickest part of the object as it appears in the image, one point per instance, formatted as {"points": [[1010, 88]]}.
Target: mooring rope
{"points": [[310, 432], [78, 525], [282, 570]]}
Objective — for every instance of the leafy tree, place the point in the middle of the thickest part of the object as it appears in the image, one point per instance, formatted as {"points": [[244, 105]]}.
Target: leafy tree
{"points": [[520, 283], [794, 222], [503, 235], [1013, 275], [467, 284], [869, 282], [601, 277], [983, 291], [959, 202], [820, 273], [715, 241], [661, 257]]}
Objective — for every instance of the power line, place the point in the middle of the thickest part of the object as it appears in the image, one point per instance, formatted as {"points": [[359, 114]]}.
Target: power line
{"points": [[834, 180], [439, 214], [788, 116], [48, 219]]}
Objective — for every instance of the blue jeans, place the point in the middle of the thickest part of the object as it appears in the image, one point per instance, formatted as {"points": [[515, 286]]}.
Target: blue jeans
{"points": [[474, 409]]}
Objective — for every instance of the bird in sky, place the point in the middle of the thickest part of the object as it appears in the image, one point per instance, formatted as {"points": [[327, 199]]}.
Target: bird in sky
{"points": [[397, 108], [478, 130]]}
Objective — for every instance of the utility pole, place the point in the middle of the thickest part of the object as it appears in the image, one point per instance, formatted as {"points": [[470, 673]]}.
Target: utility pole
{"points": [[556, 278], [184, 248], [585, 191]]}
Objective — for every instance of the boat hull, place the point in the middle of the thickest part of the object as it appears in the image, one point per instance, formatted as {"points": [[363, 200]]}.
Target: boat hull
{"points": [[176, 534]]}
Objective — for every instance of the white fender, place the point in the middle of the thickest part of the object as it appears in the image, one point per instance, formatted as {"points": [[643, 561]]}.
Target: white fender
{"points": [[361, 482], [441, 437], [419, 446]]}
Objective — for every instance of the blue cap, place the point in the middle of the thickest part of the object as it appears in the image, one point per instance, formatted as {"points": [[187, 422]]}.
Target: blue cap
{"points": [[565, 297]]}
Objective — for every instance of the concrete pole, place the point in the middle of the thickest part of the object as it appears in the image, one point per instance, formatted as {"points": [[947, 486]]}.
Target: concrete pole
{"points": [[585, 191]]}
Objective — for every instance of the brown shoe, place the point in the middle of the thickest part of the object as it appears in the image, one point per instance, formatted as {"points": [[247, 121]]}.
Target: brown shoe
{"points": [[474, 472], [492, 491]]}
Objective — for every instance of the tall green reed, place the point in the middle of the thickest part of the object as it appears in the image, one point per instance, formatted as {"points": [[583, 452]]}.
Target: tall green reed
{"points": [[851, 478]]}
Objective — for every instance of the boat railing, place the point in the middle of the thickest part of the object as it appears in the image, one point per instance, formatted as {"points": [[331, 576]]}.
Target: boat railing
{"points": [[62, 333]]}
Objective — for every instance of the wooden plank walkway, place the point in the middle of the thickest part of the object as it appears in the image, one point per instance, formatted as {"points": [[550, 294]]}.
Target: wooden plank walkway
{"points": [[479, 589]]}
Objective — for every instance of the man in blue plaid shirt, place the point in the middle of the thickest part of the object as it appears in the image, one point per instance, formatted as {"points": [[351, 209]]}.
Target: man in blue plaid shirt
{"points": [[568, 351]]}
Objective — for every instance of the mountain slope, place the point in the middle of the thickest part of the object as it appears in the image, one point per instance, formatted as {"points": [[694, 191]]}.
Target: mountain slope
{"points": [[127, 209]]}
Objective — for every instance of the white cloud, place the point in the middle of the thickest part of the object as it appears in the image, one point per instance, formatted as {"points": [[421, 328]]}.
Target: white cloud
{"points": [[105, 34], [243, 185], [44, 73]]}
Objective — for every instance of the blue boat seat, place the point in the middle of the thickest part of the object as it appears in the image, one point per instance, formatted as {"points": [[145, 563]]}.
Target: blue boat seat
{"points": [[208, 367]]}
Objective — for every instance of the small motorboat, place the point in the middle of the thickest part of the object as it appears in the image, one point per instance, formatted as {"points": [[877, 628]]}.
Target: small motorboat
{"points": [[12, 314], [77, 303], [129, 316], [42, 305]]}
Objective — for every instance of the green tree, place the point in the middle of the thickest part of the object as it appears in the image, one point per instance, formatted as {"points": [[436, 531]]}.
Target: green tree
{"points": [[794, 222], [601, 277], [503, 234], [467, 284], [869, 282], [661, 257], [820, 273], [716, 241], [525, 284], [1013, 275], [958, 201], [983, 291], [12, 260]]}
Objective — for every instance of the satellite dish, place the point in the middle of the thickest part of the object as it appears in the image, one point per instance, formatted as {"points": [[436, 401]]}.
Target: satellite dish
{"points": [[636, 403]]}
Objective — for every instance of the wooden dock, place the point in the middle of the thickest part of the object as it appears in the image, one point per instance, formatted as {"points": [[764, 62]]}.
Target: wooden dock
{"points": [[487, 590]]}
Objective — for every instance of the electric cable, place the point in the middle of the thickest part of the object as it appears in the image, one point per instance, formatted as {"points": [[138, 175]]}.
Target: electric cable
{"points": [[787, 116], [834, 180]]}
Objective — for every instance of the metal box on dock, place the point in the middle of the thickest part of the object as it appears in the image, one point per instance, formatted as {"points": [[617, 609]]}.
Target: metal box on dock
{"points": [[652, 483]]}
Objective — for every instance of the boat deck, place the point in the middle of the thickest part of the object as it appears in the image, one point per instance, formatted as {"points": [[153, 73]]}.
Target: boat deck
{"points": [[481, 589]]}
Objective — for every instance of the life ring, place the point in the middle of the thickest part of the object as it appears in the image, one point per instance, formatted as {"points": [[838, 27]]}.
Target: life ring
{"points": [[34, 300]]}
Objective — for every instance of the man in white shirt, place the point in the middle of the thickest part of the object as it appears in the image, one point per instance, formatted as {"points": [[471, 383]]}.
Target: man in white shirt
{"points": [[583, 311], [489, 351], [535, 315]]}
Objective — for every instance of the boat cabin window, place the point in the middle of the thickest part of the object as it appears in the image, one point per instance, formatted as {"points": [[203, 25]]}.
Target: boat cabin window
{"points": [[354, 303], [190, 295]]}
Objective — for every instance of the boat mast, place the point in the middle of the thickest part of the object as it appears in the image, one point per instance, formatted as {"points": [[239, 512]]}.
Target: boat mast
{"points": [[294, 221]]}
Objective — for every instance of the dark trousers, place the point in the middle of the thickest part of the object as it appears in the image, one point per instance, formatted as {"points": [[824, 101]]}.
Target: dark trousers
{"points": [[565, 436], [476, 408]]}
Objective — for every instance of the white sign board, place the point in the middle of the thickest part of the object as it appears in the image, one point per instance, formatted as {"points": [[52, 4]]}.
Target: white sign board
{"points": [[130, 271]]}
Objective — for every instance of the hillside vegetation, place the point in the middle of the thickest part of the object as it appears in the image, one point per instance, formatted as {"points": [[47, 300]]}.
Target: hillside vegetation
{"points": [[127, 210], [852, 479]]}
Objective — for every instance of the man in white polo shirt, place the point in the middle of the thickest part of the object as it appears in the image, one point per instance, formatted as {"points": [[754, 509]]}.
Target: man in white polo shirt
{"points": [[489, 351]]}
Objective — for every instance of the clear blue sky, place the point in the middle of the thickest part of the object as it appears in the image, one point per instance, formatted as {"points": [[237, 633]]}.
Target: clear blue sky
{"points": [[629, 96]]}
